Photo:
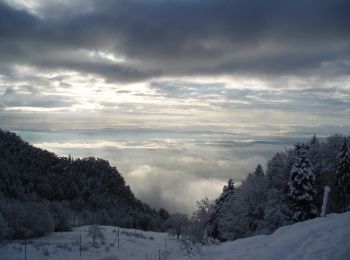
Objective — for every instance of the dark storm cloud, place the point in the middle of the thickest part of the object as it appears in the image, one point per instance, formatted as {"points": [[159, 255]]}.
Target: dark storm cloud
{"points": [[182, 37], [29, 40]]}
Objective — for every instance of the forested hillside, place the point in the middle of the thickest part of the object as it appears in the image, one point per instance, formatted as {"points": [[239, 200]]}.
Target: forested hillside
{"points": [[41, 192], [291, 190]]}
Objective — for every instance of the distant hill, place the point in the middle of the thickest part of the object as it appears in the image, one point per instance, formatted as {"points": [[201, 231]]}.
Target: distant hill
{"points": [[89, 189]]}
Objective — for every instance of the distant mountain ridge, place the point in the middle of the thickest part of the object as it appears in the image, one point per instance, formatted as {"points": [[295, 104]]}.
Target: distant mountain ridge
{"points": [[92, 190]]}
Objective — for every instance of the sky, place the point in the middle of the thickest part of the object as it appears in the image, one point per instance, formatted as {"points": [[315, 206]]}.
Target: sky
{"points": [[178, 95]]}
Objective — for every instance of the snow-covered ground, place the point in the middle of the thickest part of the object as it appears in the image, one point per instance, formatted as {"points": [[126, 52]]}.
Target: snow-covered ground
{"points": [[133, 244], [321, 238]]}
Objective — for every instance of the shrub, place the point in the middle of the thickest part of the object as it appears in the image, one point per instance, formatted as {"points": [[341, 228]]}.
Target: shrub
{"points": [[61, 216], [26, 219], [3, 227], [95, 232]]}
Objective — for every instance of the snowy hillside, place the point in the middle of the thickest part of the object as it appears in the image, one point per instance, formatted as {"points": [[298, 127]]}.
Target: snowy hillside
{"points": [[320, 238]]}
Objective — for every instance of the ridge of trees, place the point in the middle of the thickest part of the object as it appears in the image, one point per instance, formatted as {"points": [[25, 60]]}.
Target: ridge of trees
{"points": [[41, 192]]}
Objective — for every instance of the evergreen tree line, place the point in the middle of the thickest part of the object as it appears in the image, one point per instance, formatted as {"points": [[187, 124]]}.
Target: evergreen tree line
{"points": [[41, 192], [291, 190]]}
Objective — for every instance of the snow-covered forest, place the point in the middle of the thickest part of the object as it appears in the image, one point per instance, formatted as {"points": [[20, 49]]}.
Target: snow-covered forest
{"points": [[319, 238], [291, 190], [42, 193]]}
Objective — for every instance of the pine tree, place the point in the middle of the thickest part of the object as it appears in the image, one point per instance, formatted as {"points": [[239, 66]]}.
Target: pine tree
{"points": [[226, 192], [314, 141], [302, 190], [256, 196], [259, 172], [342, 182], [277, 212], [219, 208]]}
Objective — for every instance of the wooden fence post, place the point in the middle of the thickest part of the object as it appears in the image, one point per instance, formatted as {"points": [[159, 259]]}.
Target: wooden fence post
{"points": [[25, 249], [118, 237]]}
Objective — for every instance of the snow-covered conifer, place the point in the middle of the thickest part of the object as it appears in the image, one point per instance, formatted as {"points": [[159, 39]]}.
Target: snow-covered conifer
{"points": [[220, 208], [277, 212], [314, 141], [259, 172], [227, 191], [342, 183], [302, 187]]}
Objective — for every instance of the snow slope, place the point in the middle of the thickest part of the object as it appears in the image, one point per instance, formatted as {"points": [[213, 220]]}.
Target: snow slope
{"points": [[134, 244], [320, 238]]}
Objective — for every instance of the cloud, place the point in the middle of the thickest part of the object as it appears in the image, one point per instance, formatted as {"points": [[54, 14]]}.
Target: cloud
{"points": [[179, 94], [12, 99], [186, 90], [29, 40], [172, 168], [180, 37], [321, 99], [165, 168], [176, 189]]}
